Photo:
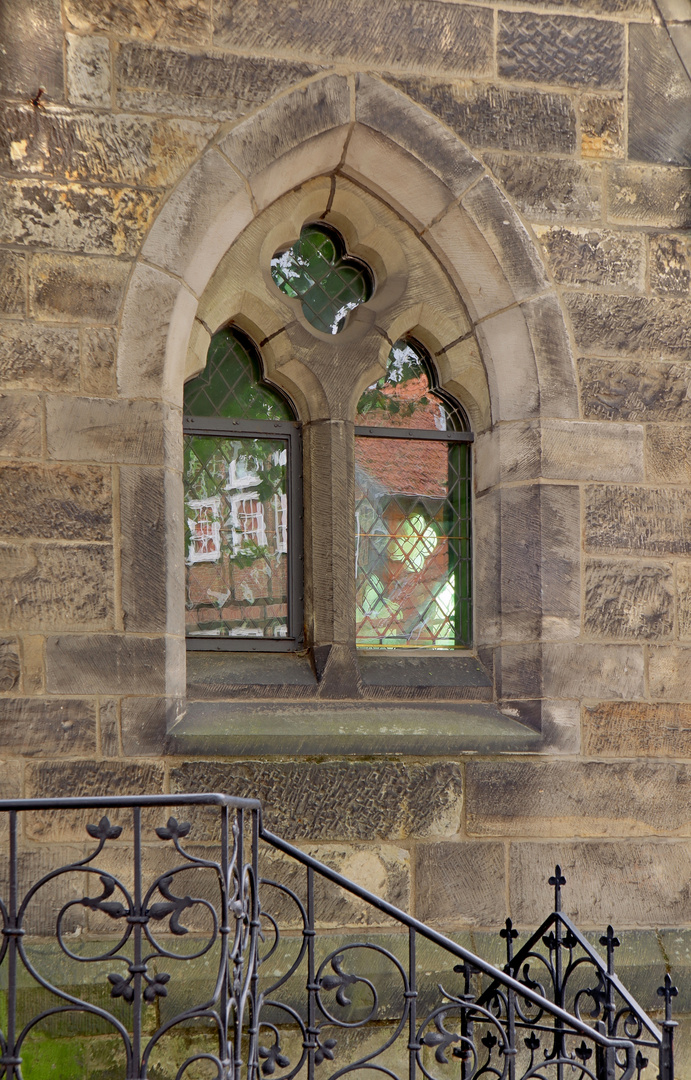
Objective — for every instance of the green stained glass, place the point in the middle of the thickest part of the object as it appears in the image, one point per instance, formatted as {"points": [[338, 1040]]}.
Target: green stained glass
{"points": [[231, 383], [329, 282]]}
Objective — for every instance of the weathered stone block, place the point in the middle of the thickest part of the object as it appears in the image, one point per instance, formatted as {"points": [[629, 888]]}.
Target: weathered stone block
{"points": [[572, 670], [12, 283], [381, 107], [634, 520], [560, 189], [167, 20], [560, 528], [670, 269], [40, 727], [338, 799], [20, 426], [494, 116], [636, 390], [91, 429], [89, 146], [627, 325], [97, 351], [56, 587], [670, 672], [551, 346], [683, 578], [602, 127], [152, 79], [625, 882], [573, 450], [460, 884], [649, 196], [88, 70], [563, 798], [55, 502], [411, 35], [31, 55], [10, 668], [144, 722], [668, 454], [629, 600], [109, 727], [144, 569], [315, 108], [33, 666], [659, 98], [599, 257], [70, 217], [105, 664], [560, 49], [85, 778], [75, 288], [637, 729], [38, 357]]}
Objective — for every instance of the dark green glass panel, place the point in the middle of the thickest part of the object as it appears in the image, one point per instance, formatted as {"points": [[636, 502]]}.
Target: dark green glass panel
{"points": [[406, 395], [236, 537], [413, 544], [231, 383], [328, 281]]}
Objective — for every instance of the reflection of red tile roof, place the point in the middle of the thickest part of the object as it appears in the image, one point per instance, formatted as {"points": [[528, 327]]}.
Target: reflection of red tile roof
{"points": [[405, 466]]}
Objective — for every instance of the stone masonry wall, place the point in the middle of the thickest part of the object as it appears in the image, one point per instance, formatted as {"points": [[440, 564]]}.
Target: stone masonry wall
{"points": [[580, 111]]}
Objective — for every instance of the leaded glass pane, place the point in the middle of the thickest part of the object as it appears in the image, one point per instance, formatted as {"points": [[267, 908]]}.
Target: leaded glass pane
{"points": [[328, 281], [413, 543], [231, 383], [236, 537], [405, 395]]}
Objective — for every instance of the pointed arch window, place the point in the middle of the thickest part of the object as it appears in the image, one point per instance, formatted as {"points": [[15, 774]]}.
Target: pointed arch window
{"points": [[243, 543], [413, 553]]}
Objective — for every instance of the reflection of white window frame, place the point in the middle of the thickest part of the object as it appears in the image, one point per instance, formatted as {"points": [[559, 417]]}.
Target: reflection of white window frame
{"points": [[281, 523], [205, 542], [240, 474], [239, 515]]}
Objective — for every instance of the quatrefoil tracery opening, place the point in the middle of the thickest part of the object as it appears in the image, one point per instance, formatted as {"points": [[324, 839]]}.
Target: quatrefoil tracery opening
{"points": [[318, 271]]}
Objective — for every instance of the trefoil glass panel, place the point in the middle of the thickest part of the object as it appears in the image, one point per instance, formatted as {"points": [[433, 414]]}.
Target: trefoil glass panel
{"points": [[236, 537], [413, 546]]}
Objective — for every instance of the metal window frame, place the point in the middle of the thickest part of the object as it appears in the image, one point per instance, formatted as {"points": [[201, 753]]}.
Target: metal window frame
{"points": [[289, 432]]}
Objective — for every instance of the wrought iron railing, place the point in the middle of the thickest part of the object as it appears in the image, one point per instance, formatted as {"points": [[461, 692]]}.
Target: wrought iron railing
{"points": [[216, 949]]}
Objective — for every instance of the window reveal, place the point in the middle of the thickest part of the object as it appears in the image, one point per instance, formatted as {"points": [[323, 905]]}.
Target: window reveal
{"points": [[241, 484], [413, 556]]}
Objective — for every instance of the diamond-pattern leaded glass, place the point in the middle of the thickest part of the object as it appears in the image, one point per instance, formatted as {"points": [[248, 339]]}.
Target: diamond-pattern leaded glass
{"points": [[231, 383], [413, 554], [329, 282], [236, 546]]}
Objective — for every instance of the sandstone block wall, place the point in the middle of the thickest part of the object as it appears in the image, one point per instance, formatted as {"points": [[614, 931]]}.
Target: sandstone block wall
{"points": [[579, 111]]}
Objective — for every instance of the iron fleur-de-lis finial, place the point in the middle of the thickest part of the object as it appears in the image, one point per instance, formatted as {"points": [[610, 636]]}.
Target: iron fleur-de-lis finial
{"points": [[557, 880]]}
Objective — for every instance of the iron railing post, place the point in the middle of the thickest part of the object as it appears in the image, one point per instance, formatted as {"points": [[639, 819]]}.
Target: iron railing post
{"points": [[411, 994], [12, 931], [312, 987], [667, 991]]}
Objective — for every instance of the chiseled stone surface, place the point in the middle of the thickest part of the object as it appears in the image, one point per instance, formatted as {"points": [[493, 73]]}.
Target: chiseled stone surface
{"points": [[659, 98], [636, 390], [10, 666], [92, 429], [42, 727], [460, 884], [59, 502], [167, 20], [12, 283], [602, 126], [338, 799], [670, 267], [104, 664], [152, 79], [668, 453], [670, 672], [97, 350], [31, 55], [628, 325], [595, 256], [144, 563], [636, 520], [683, 579], [622, 882], [628, 600], [573, 798], [72, 217], [52, 586], [637, 729], [559, 189], [20, 426], [456, 37], [76, 288], [88, 70], [38, 357], [498, 116], [654, 195], [560, 49]]}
